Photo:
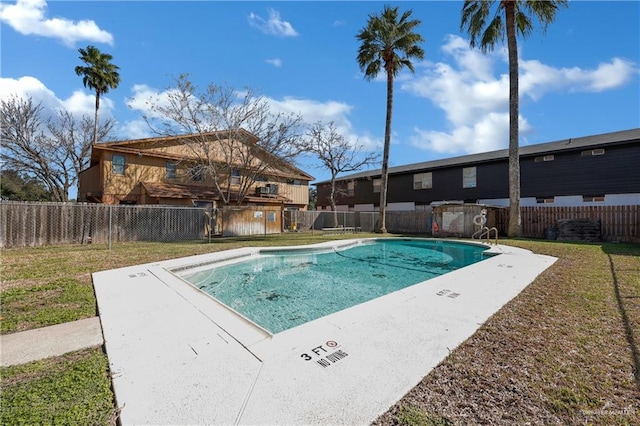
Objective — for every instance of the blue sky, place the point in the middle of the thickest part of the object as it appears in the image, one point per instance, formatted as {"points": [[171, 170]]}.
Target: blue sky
{"points": [[579, 78]]}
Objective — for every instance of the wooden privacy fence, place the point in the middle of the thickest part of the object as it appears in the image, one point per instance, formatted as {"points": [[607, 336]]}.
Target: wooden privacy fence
{"points": [[618, 223], [25, 224], [409, 222], [241, 221]]}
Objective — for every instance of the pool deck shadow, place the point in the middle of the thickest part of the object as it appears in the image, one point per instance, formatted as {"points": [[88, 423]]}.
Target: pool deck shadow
{"points": [[179, 357]]}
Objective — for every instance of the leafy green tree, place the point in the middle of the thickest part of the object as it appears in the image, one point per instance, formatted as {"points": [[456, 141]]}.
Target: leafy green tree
{"points": [[313, 198], [99, 74], [390, 43], [16, 187], [487, 22]]}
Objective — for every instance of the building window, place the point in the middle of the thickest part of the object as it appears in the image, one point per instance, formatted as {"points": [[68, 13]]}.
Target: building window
{"points": [[261, 178], [545, 200], [593, 198], [351, 189], [296, 182], [235, 177], [118, 164], [591, 152], [545, 158], [469, 177], [170, 170], [422, 181], [196, 174], [377, 183]]}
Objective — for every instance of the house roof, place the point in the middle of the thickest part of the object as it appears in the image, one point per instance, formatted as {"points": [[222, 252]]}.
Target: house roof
{"points": [[180, 191], [166, 190], [143, 147], [570, 144]]}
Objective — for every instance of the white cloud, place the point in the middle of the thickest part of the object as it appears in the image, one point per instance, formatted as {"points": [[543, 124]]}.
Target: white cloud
{"points": [[136, 129], [273, 25], [79, 103], [142, 100], [28, 17], [310, 110], [276, 62], [474, 96], [538, 78]]}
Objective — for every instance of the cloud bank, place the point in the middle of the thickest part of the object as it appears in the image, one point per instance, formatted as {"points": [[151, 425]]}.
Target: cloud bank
{"points": [[474, 95], [28, 17]]}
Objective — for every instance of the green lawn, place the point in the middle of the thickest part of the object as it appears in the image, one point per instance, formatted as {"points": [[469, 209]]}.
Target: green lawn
{"points": [[565, 351]]}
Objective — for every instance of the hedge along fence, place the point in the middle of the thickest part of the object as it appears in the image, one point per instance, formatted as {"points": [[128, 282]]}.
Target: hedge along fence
{"points": [[618, 223], [30, 224]]}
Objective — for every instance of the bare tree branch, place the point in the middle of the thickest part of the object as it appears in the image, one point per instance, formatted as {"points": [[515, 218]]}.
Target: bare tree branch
{"points": [[337, 155], [54, 152], [235, 138]]}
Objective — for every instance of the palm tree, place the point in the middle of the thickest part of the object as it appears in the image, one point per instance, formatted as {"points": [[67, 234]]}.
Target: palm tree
{"points": [[389, 43], [99, 75], [514, 16]]}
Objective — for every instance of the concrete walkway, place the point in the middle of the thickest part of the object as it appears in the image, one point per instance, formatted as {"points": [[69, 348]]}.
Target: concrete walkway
{"points": [[56, 340], [177, 356]]}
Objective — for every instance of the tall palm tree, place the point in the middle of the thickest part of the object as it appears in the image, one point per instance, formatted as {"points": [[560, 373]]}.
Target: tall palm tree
{"points": [[389, 43], [514, 16], [99, 74]]}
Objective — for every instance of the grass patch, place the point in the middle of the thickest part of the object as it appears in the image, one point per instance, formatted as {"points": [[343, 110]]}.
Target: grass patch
{"points": [[61, 300], [50, 285], [72, 389], [565, 351]]}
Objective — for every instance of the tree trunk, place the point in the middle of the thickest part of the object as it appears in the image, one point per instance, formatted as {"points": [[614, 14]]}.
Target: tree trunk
{"points": [[515, 226], [332, 200], [95, 120], [381, 226]]}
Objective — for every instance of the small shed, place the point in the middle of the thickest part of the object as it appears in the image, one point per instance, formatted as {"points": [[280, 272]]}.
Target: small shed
{"points": [[462, 220]]}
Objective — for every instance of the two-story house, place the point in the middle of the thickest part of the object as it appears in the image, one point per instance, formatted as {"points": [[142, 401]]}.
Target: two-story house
{"points": [[593, 170], [204, 170]]}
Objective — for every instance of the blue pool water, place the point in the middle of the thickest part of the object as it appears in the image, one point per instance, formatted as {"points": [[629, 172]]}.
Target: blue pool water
{"points": [[282, 289]]}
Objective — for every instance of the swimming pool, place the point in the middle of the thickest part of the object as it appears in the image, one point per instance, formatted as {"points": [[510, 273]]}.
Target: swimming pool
{"points": [[168, 337], [281, 289]]}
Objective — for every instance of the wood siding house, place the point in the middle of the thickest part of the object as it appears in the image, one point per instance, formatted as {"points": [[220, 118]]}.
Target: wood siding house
{"points": [[594, 170], [167, 171]]}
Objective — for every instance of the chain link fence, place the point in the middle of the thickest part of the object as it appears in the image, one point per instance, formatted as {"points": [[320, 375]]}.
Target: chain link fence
{"points": [[411, 222], [30, 224]]}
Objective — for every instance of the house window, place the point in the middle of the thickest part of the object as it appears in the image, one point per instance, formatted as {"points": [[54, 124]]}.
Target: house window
{"points": [[351, 189], [545, 200], [235, 177], [545, 158], [590, 152], [422, 181], [296, 182], [170, 170], [377, 183], [118, 164], [261, 178], [196, 173], [469, 177], [593, 198]]}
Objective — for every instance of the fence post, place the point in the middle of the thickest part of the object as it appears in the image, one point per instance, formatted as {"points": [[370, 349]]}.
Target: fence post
{"points": [[110, 222]]}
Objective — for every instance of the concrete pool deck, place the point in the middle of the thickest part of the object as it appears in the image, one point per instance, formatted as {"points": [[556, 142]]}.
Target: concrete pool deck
{"points": [[178, 357]]}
